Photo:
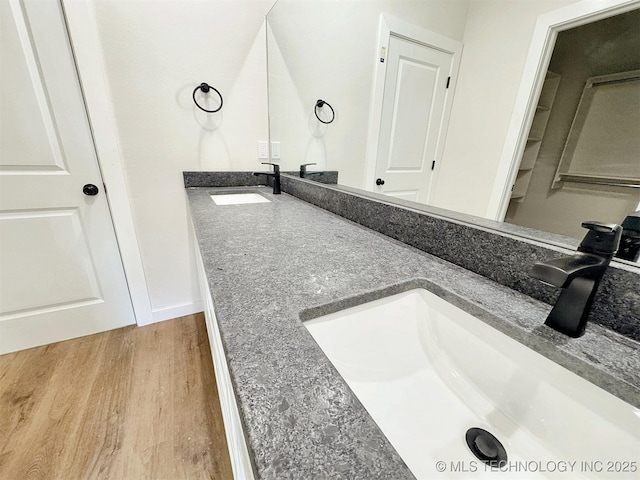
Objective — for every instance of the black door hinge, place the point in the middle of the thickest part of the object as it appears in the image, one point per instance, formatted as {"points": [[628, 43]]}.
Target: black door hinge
{"points": [[433, 165], [448, 81]]}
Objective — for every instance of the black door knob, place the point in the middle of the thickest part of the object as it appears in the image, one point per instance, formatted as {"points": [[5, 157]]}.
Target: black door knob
{"points": [[90, 189], [379, 181]]}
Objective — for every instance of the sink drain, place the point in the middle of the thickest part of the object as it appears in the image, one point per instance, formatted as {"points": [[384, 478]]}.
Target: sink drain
{"points": [[486, 447]]}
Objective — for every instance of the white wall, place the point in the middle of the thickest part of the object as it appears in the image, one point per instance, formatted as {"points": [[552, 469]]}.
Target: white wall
{"points": [[154, 54], [497, 37]]}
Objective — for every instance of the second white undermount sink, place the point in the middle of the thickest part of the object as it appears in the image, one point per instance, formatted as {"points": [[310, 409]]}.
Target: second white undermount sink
{"points": [[428, 373], [238, 198]]}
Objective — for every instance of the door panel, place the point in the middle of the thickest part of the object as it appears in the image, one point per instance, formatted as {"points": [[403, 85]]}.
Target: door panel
{"points": [[24, 102], [61, 275], [28, 236], [415, 85], [412, 116]]}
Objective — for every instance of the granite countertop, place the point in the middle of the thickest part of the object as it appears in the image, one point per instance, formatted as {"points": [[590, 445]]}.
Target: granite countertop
{"points": [[270, 263]]}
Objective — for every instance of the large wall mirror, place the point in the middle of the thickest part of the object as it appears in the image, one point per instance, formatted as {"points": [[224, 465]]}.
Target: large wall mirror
{"points": [[429, 90]]}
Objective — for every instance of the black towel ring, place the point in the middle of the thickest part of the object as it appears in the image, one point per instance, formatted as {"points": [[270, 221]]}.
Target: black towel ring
{"points": [[322, 103], [205, 89]]}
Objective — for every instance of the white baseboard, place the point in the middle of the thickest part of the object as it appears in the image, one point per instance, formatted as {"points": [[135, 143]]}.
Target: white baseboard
{"points": [[167, 313]]}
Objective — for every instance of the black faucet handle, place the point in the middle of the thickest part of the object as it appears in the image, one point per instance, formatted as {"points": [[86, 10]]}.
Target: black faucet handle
{"points": [[601, 227], [303, 169], [602, 238], [276, 167]]}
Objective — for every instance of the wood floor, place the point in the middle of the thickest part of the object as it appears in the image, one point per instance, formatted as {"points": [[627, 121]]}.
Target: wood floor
{"points": [[132, 403]]}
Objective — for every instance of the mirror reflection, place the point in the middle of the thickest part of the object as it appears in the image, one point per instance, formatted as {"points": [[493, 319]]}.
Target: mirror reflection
{"points": [[421, 96]]}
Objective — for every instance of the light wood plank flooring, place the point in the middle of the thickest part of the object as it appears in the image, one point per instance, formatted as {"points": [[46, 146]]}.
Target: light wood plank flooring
{"points": [[132, 403]]}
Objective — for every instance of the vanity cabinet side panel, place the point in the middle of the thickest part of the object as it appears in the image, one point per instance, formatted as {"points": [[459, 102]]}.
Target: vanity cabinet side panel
{"points": [[236, 442]]}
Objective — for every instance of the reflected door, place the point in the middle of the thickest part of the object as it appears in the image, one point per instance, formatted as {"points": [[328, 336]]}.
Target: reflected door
{"points": [[411, 125], [60, 270]]}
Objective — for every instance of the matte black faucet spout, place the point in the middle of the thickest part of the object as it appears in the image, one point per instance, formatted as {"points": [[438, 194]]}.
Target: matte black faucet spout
{"points": [[578, 276], [303, 169], [275, 175]]}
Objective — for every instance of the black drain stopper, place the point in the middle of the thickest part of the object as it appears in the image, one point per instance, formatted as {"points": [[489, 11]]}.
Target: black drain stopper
{"points": [[486, 447]]}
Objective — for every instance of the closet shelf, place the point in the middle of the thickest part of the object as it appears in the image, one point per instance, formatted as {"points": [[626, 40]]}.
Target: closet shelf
{"points": [[536, 134]]}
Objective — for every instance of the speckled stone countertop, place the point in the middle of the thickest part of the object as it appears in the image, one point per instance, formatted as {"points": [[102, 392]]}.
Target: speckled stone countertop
{"points": [[271, 264]]}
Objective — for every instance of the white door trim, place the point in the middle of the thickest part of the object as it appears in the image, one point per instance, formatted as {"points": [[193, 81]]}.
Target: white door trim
{"points": [[541, 48], [390, 25], [82, 29]]}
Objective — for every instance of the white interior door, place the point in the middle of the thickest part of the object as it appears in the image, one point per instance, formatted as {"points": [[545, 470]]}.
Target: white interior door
{"points": [[61, 275], [413, 113]]}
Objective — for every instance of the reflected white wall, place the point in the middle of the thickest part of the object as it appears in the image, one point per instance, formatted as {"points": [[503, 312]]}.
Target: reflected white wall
{"points": [[321, 49]]}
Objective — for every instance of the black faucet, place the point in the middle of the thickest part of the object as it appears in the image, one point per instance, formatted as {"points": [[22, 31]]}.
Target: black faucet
{"points": [[303, 170], [578, 276], [275, 174], [630, 240]]}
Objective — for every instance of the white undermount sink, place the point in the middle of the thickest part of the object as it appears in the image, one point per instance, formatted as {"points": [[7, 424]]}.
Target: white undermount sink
{"points": [[427, 371], [238, 198]]}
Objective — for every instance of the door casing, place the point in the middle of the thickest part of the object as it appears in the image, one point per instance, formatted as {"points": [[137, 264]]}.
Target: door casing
{"points": [[82, 29]]}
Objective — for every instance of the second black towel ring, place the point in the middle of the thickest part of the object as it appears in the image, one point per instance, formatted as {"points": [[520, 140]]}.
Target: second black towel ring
{"points": [[320, 104], [205, 89]]}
